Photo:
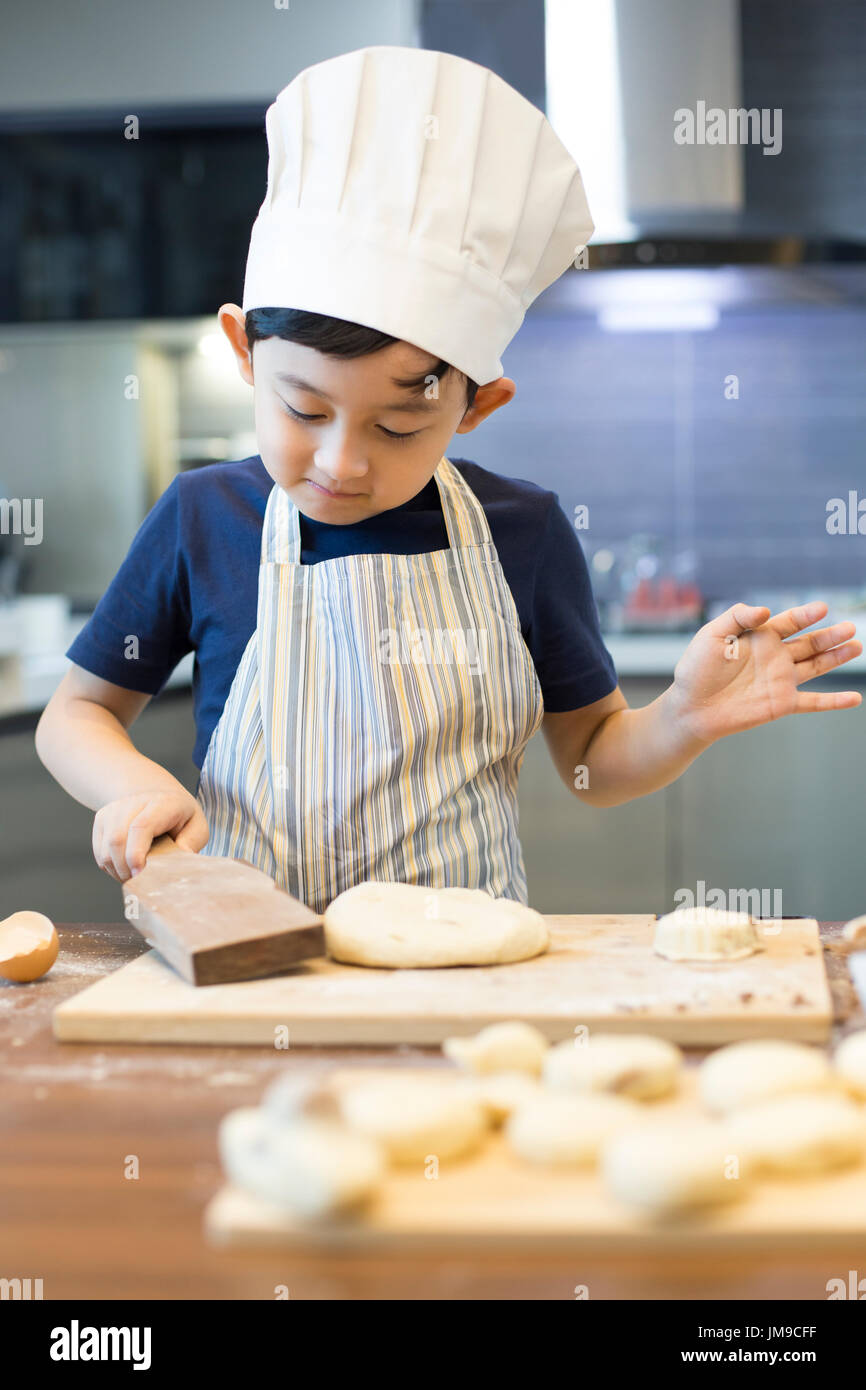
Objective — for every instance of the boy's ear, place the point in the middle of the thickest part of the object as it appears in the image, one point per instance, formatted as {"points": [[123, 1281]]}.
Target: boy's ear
{"points": [[487, 399], [232, 320]]}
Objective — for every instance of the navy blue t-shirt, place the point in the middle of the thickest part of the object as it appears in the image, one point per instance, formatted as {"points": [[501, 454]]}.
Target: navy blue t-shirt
{"points": [[190, 582]]}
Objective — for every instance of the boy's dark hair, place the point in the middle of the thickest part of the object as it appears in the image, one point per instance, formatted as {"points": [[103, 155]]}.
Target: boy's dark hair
{"points": [[337, 338]]}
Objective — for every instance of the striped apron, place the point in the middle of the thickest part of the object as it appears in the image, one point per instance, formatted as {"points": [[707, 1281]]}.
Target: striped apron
{"points": [[377, 721]]}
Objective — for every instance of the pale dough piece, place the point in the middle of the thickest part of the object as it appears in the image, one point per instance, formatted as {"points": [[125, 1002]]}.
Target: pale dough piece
{"points": [[290, 1097], [800, 1133], [637, 1065], [400, 926], [672, 1168], [849, 1061], [705, 933], [561, 1130], [745, 1072], [416, 1119], [501, 1047], [502, 1092], [855, 931], [312, 1167]]}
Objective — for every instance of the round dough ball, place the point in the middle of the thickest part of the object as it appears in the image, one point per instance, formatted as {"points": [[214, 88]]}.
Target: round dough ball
{"points": [[28, 946], [800, 1134], [501, 1047], [561, 1130], [849, 1061], [415, 1119], [291, 1097], [404, 926], [637, 1065], [671, 1168], [745, 1072], [502, 1092], [311, 1168], [705, 933]]}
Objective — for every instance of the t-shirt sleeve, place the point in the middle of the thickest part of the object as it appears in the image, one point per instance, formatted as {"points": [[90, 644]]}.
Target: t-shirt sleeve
{"points": [[140, 628], [574, 666]]}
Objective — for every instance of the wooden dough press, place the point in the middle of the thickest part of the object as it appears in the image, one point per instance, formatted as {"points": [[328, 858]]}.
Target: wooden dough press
{"points": [[218, 920]]}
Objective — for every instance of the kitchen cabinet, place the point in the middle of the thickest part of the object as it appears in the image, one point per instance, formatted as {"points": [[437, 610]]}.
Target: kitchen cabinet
{"points": [[587, 859], [778, 808]]}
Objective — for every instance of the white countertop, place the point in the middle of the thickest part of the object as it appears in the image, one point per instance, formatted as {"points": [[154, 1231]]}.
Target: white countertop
{"points": [[28, 678]]}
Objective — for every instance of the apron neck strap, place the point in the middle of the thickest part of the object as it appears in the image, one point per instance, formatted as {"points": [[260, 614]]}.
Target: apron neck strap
{"points": [[464, 518]]}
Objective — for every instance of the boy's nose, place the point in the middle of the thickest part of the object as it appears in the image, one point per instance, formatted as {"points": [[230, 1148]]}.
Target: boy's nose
{"points": [[342, 462]]}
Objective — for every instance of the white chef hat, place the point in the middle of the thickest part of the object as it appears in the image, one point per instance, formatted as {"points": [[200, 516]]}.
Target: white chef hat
{"points": [[417, 193]]}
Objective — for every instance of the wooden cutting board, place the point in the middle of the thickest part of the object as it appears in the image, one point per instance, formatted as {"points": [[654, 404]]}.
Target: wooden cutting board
{"points": [[494, 1198], [599, 971]]}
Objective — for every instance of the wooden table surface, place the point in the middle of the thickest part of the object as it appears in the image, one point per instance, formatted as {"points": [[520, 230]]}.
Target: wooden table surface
{"points": [[77, 1121]]}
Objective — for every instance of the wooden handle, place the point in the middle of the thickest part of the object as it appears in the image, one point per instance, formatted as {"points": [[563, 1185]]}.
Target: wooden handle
{"points": [[163, 845]]}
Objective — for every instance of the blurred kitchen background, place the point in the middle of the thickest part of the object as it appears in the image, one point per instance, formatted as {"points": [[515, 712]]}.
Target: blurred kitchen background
{"points": [[695, 395]]}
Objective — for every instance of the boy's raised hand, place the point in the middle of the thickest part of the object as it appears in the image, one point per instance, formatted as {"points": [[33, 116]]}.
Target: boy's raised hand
{"points": [[745, 668], [124, 830]]}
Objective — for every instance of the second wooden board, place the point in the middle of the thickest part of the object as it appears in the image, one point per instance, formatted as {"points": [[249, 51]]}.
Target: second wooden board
{"points": [[494, 1200], [600, 972]]}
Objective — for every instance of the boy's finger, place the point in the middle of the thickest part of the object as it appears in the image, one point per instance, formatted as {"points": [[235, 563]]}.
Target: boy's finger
{"points": [[827, 661], [100, 852], [115, 852], [138, 842], [739, 618], [811, 643], [816, 702], [795, 619]]}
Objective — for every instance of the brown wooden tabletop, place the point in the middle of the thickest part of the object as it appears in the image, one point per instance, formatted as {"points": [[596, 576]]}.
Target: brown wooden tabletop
{"points": [[76, 1120]]}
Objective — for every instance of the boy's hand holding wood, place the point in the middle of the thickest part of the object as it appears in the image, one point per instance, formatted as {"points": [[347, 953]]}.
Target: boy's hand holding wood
{"points": [[124, 830]]}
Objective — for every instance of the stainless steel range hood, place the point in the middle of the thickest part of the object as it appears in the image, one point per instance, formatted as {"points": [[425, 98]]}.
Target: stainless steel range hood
{"points": [[738, 119]]}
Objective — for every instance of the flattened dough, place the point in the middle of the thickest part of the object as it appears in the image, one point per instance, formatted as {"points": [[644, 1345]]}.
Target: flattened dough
{"points": [[746, 1072], [312, 1168], [400, 926], [561, 1130], [637, 1065], [675, 1167], [413, 1119], [501, 1047], [501, 1092], [705, 933], [849, 1061], [802, 1134]]}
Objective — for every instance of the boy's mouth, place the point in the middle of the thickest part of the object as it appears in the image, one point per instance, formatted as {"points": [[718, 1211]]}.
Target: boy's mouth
{"points": [[328, 492]]}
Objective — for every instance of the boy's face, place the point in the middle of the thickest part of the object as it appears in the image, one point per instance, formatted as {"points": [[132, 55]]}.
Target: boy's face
{"points": [[363, 444]]}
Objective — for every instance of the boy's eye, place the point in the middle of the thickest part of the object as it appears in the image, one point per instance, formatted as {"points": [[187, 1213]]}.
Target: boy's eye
{"points": [[297, 414], [390, 434]]}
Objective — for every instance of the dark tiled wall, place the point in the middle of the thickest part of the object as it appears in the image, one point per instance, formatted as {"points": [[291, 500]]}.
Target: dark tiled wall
{"points": [[636, 426]]}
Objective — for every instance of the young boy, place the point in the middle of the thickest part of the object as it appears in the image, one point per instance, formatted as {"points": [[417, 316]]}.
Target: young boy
{"points": [[379, 630]]}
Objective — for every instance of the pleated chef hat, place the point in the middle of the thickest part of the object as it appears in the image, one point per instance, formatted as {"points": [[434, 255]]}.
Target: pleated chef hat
{"points": [[417, 193]]}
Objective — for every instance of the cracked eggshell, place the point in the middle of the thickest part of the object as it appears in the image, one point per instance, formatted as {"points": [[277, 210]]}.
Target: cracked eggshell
{"points": [[28, 946]]}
